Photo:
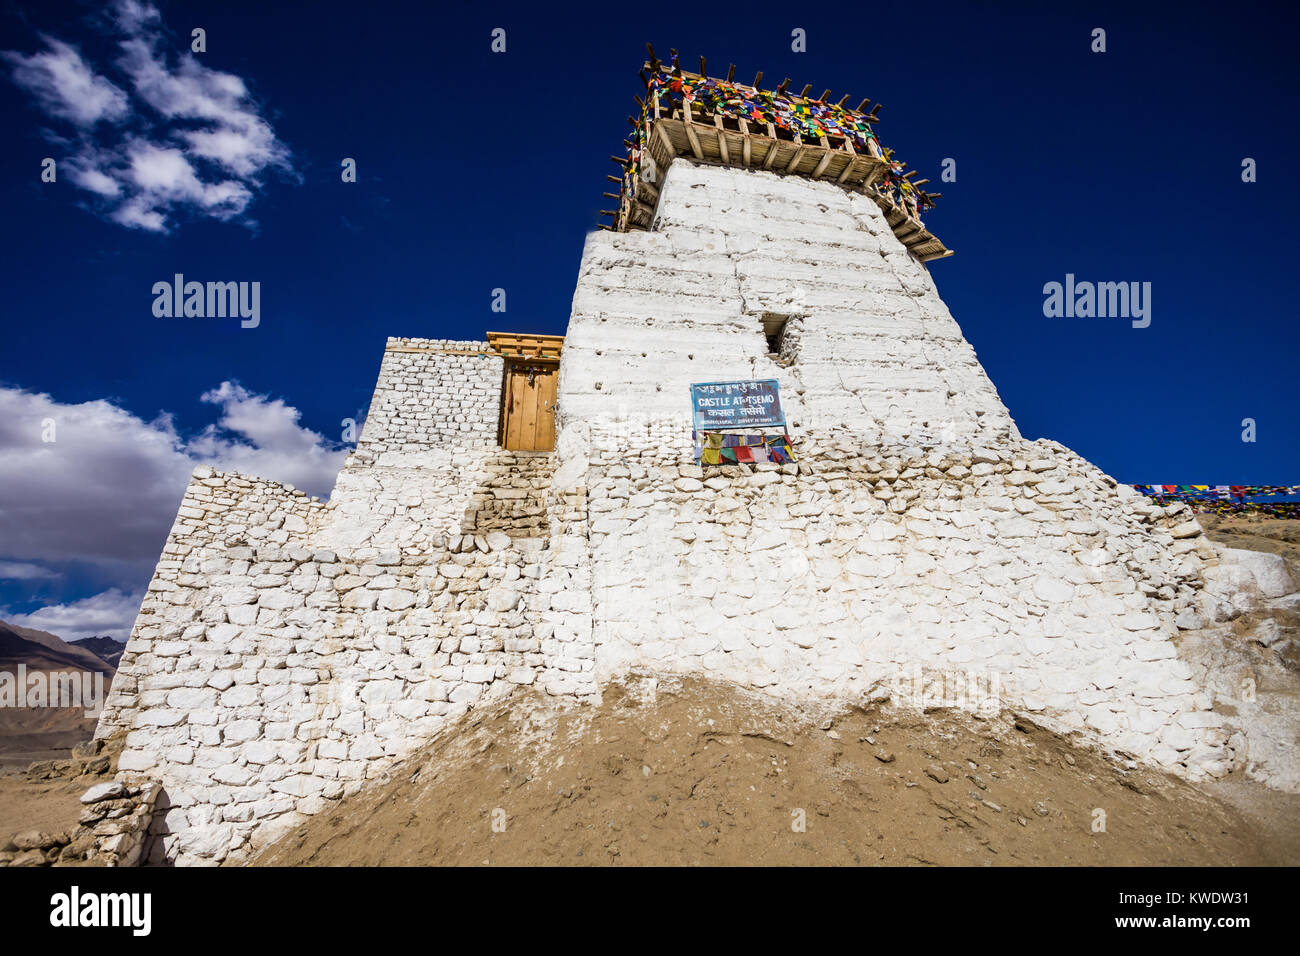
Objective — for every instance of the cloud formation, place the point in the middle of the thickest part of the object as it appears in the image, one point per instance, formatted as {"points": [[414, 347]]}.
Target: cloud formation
{"points": [[174, 138], [102, 495], [110, 613], [66, 87]]}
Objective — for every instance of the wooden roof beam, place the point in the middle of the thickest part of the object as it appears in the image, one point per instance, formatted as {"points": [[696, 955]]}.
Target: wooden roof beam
{"points": [[821, 167]]}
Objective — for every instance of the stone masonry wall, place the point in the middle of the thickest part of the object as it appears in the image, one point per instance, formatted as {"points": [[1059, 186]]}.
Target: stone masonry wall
{"points": [[919, 532], [290, 650], [878, 351]]}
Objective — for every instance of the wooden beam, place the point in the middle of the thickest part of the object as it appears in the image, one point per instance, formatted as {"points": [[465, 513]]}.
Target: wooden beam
{"points": [[746, 147], [821, 167], [758, 78], [722, 140], [794, 160], [863, 105], [689, 126], [666, 139], [703, 69], [806, 90], [843, 99], [731, 73], [826, 95]]}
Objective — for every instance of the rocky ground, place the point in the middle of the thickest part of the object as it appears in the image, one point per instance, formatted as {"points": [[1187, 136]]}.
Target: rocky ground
{"points": [[40, 805], [692, 772]]}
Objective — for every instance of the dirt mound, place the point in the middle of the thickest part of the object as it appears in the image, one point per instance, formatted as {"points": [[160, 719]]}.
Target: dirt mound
{"points": [[693, 772]]}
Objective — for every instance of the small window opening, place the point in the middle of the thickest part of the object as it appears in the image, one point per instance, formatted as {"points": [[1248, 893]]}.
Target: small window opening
{"points": [[774, 326]]}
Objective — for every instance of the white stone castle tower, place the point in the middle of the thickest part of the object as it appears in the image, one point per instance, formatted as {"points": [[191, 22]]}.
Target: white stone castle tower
{"points": [[289, 651]]}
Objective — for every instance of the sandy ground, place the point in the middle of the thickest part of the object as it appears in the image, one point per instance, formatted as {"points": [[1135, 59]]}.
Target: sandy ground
{"points": [[709, 774], [49, 805], [29, 734]]}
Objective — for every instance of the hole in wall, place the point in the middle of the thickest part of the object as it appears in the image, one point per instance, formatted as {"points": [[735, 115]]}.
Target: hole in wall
{"points": [[774, 326]]}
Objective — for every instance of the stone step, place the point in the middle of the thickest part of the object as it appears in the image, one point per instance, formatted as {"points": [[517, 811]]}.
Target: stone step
{"points": [[511, 496]]}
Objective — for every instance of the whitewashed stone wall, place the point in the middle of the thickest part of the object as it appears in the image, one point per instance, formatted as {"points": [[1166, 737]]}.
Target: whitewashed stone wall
{"points": [[879, 353], [290, 650], [919, 533]]}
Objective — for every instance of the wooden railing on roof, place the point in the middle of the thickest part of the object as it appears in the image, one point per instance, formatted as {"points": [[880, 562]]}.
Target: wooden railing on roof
{"points": [[726, 123]]}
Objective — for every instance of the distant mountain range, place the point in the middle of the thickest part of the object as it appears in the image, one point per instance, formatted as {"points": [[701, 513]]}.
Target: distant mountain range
{"points": [[108, 649], [30, 733], [41, 650]]}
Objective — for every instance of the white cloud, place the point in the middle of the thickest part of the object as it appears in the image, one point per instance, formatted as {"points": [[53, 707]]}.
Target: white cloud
{"points": [[191, 140], [104, 493], [165, 177], [66, 87], [21, 571], [275, 444], [111, 613], [97, 181]]}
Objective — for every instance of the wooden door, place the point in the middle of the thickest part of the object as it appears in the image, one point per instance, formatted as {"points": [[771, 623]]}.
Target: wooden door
{"points": [[530, 406]]}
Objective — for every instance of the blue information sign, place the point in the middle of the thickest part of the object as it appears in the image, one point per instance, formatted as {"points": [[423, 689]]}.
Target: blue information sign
{"points": [[718, 405]]}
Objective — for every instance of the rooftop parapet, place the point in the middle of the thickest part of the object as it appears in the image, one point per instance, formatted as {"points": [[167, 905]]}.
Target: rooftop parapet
{"points": [[726, 123]]}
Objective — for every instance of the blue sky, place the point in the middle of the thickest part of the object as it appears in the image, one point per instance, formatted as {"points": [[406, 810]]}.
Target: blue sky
{"points": [[479, 171]]}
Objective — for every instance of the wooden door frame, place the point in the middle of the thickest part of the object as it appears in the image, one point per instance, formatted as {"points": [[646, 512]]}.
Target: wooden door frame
{"points": [[510, 364], [520, 348]]}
